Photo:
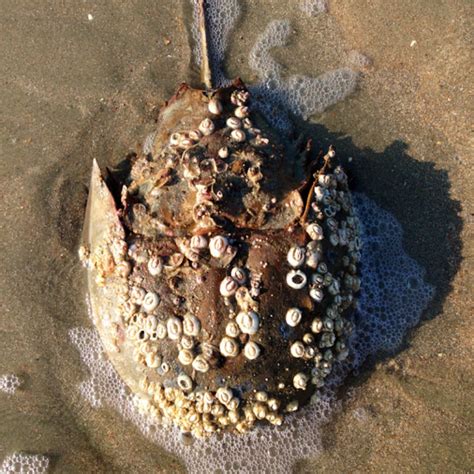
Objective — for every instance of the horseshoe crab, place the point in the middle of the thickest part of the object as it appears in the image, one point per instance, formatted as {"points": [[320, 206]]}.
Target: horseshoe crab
{"points": [[222, 274]]}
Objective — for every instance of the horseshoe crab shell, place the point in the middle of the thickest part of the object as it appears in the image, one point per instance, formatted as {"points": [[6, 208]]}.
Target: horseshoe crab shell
{"points": [[214, 239]]}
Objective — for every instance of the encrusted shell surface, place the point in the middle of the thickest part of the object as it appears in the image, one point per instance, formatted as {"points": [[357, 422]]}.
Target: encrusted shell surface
{"points": [[223, 283]]}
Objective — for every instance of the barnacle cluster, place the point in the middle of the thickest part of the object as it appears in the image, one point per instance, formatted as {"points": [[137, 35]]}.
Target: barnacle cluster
{"points": [[222, 276]]}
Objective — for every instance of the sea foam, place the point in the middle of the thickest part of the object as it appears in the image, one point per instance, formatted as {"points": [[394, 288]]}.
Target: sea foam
{"points": [[392, 299], [21, 463]]}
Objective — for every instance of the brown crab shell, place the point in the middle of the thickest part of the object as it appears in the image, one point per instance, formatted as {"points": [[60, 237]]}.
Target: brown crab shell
{"points": [[260, 239]]}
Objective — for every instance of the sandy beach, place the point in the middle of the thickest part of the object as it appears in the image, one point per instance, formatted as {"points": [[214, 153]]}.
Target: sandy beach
{"points": [[86, 80]]}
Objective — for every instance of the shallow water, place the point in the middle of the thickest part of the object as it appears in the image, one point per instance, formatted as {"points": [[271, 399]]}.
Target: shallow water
{"points": [[76, 88]]}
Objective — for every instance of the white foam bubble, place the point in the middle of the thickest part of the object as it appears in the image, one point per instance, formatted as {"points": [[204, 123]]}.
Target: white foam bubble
{"points": [[393, 297], [358, 59], [313, 7], [25, 464], [303, 95], [9, 383], [393, 293]]}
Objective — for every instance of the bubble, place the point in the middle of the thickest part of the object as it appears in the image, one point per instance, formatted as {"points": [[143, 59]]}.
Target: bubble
{"points": [[25, 463], [303, 95], [359, 60], [313, 7], [9, 383]]}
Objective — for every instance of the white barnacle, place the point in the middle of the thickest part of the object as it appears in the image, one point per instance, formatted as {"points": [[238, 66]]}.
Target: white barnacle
{"points": [[309, 352], [315, 231], [132, 332], [174, 327], [339, 174], [296, 279], [218, 246], [296, 256], [241, 112], [297, 349], [334, 239], [273, 404], [175, 138], [206, 127], [316, 325], [124, 269], [232, 329], [248, 322], [343, 235], [185, 382], [152, 360], [238, 274], [150, 324], [332, 224], [155, 266], [292, 406], [223, 152], [247, 123], [238, 135], [260, 411], [150, 301], [239, 97], [186, 142], [325, 180], [187, 342], [334, 287], [293, 317], [224, 395], [198, 243], [319, 193], [161, 331], [356, 284], [259, 140], [343, 355], [261, 396], [233, 122], [229, 347], [316, 294], [328, 324], [215, 106], [195, 135], [233, 404], [317, 279], [327, 279], [312, 258], [328, 355], [322, 268], [185, 357], [200, 364], [191, 325], [300, 381], [137, 295], [251, 350], [330, 211], [228, 286]]}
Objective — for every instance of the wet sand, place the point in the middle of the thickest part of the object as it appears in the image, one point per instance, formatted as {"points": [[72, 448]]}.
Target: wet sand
{"points": [[74, 89]]}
